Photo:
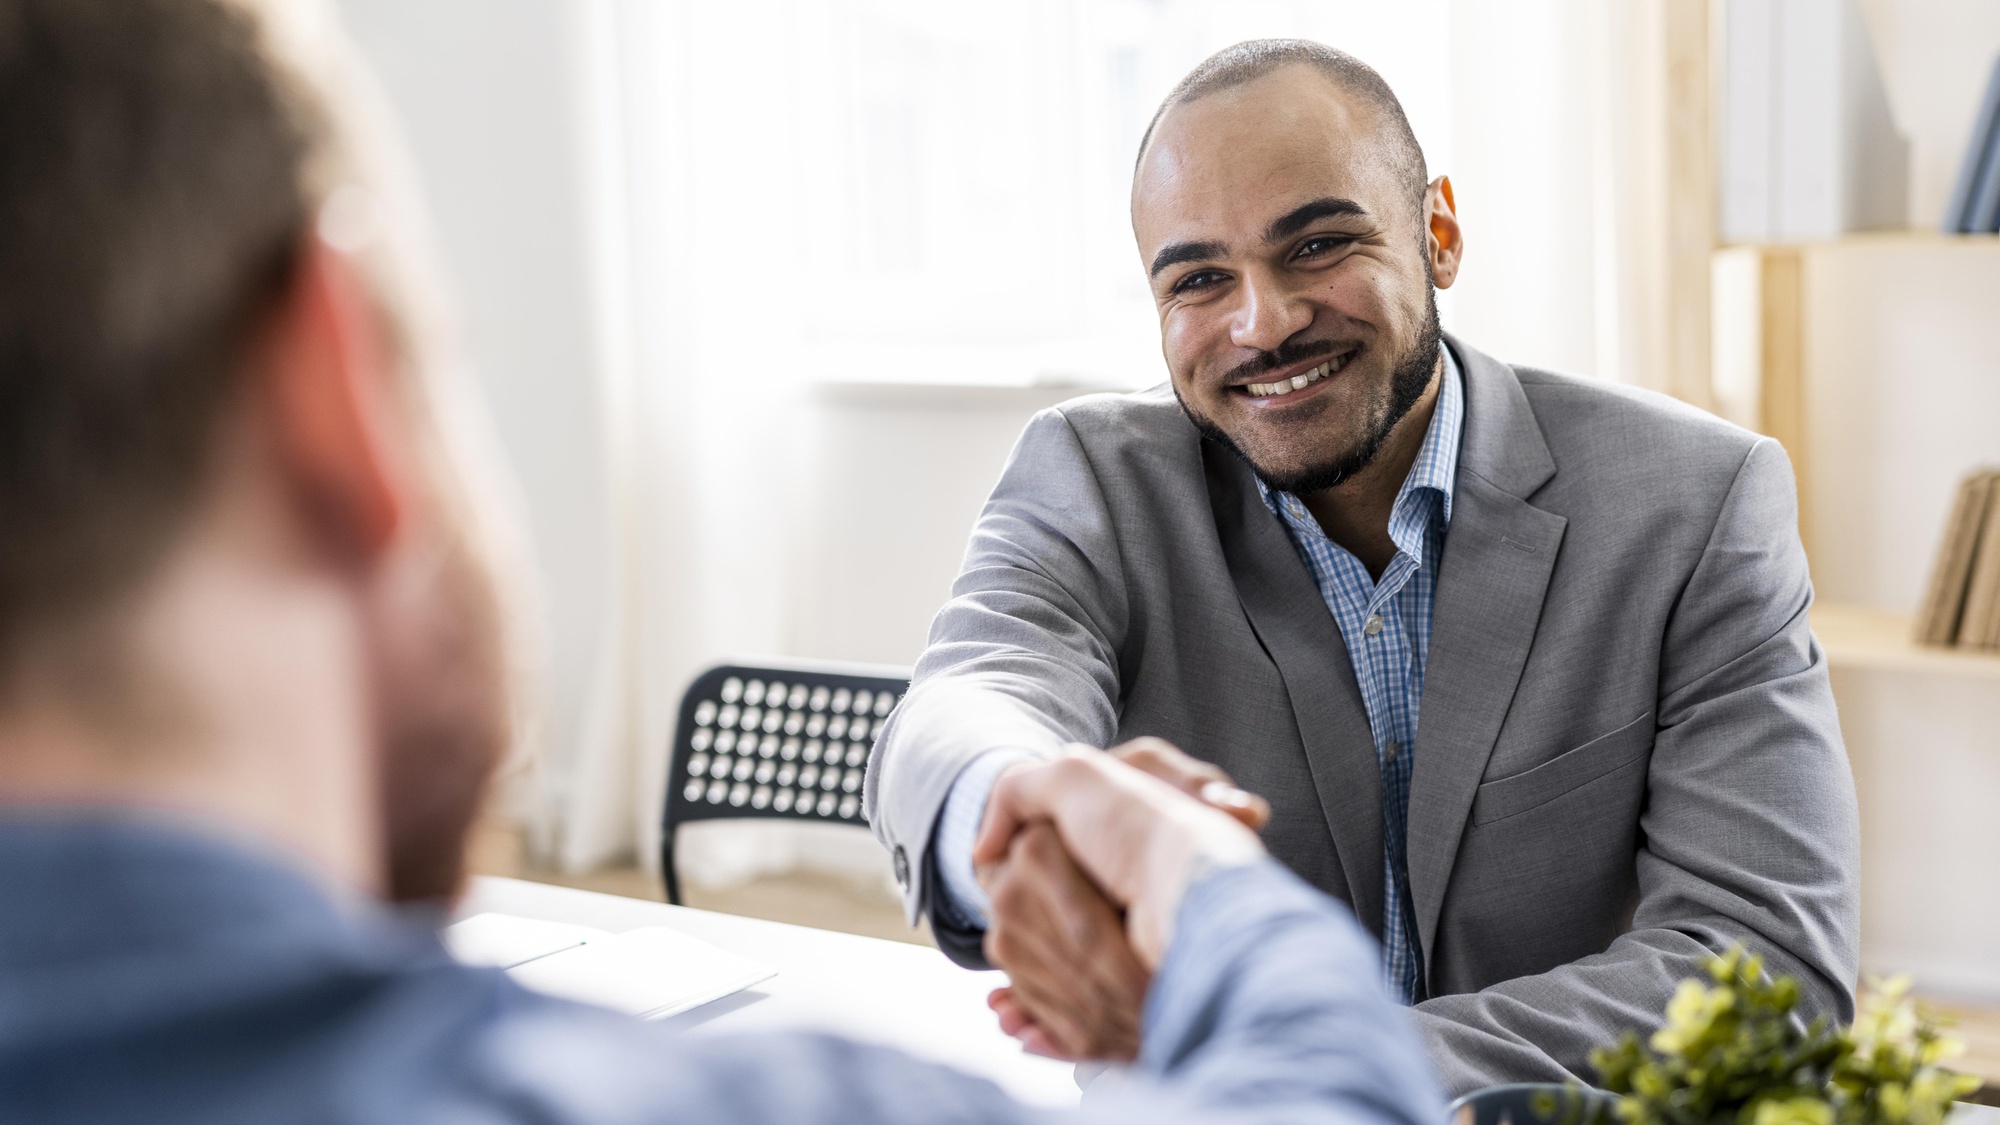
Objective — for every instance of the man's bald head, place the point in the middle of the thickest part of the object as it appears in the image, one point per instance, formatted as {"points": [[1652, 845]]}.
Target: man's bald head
{"points": [[1248, 61]]}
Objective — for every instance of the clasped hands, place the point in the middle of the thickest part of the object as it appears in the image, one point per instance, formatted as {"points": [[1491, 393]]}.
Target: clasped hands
{"points": [[1085, 859]]}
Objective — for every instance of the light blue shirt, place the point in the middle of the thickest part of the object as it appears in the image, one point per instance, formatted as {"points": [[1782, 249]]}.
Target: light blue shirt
{"points": [[1386, 624], [169, 977]]}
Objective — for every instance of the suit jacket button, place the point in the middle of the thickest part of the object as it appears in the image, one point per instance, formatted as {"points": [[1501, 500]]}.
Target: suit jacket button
{"points": [[902, 868]]}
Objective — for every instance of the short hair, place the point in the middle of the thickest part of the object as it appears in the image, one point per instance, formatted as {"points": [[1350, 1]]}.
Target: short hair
{"points": [[153, 197], [1253, 59]]}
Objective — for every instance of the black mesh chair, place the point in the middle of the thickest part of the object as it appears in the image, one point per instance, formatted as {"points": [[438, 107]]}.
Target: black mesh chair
{"points": [[774, 740]]}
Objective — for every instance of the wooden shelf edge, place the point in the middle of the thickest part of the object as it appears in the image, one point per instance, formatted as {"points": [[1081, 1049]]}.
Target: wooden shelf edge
{"points": [[1923, 239], [1860, 638]]}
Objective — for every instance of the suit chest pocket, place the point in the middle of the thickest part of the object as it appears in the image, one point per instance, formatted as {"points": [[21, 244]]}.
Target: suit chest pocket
{"points": [[1565, 773]]}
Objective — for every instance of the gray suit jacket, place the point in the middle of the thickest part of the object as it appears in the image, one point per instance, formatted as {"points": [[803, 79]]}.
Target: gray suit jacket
{"points": [[1627, 755]]}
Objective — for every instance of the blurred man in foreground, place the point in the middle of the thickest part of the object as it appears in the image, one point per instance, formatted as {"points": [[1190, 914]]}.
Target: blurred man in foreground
{"points": [[252, 684]]}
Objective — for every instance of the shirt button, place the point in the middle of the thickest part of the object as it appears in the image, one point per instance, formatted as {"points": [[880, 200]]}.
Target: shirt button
{"points": [[1394, 747], [1374, 625]]}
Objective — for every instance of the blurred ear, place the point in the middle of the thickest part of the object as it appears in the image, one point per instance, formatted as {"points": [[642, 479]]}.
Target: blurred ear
{"points": [[1444, 240], [338, 428]]}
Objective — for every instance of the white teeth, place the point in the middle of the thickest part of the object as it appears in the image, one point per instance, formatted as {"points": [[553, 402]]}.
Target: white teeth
{"points": [[1295, 383]]}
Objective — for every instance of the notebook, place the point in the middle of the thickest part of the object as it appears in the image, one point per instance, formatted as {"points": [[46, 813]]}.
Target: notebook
{"points": [[651, 973]]}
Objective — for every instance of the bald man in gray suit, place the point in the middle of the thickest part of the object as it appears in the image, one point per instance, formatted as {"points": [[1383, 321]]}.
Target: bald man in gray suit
{"points": [[1521, 662]]}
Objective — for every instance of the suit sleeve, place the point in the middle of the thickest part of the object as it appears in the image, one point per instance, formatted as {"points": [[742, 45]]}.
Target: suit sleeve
{"points": [[1023, 658], [1750, 832]]}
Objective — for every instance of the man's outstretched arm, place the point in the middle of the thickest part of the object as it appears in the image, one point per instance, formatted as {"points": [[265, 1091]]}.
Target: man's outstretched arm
{"points": [[1021, 661]]}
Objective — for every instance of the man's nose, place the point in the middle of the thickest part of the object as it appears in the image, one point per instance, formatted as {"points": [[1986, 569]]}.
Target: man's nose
{"points": [[1268, 316]]}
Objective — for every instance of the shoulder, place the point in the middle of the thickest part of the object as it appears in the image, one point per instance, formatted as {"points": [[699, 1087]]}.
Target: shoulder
{"points": [[1611, 438], [1115, 435], [1106, 421], [1595, 416]]}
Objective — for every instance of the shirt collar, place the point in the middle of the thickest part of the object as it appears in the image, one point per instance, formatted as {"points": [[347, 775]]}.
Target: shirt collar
{"points": [[1437, 459], [1436, 467]]}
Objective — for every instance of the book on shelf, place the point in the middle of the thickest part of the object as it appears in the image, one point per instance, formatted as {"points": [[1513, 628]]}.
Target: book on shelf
{"points": [[1979, 625], [1944, 601], [1984, 217], [1962, 603], [1975, 196]]}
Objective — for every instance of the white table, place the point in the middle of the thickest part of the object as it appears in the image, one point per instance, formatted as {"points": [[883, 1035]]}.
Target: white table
{"points": [[893, 993], [888, 992]]}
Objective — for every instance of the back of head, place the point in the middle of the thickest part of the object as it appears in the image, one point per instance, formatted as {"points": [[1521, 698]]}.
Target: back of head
{"points": [[152, 199]]}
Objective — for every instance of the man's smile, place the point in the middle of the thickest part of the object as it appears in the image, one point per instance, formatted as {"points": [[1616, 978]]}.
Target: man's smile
{"points": [[1300, 378]]}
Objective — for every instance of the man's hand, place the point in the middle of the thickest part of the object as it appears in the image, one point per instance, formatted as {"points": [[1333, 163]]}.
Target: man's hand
{"points": [[1139, 839], [1201, 780], [1077, 986]]}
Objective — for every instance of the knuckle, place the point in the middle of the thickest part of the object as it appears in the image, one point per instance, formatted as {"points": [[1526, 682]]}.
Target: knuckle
{"points": [[1076, 771], [1006, 896], [1041, 843]]}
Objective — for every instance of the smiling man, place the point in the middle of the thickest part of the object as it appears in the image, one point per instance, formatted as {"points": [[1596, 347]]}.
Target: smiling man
{"points": [[1520, 661]]}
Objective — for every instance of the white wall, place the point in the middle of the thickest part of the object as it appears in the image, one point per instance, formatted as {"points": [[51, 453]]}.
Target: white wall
{"points": [[490, 94], [899, 475], [1925, 749]]}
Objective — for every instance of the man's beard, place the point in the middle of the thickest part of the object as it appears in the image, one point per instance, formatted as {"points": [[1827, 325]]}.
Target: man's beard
{"points": [[446, 725], [1407, 382]]}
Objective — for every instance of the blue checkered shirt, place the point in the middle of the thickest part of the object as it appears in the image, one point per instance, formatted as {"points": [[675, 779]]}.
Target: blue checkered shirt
{"points": [[1387, 626]]}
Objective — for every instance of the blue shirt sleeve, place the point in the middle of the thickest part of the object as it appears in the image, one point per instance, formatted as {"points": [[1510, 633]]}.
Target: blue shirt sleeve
{"points": [[961, 896]]}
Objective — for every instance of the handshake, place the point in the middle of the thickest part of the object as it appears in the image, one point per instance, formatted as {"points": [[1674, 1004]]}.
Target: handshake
{"points": [[1085, 859]]}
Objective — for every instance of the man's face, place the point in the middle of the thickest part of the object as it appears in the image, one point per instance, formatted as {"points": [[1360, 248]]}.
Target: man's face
{"points": [[1291, 268]]}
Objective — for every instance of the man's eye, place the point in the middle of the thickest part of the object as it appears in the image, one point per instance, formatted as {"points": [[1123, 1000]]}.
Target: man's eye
{"points": [[1322, 244], [1196, 281]]}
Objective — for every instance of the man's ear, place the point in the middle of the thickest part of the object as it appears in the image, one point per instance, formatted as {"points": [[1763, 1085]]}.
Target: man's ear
{"points": [[338, 427], [1444, 241]]}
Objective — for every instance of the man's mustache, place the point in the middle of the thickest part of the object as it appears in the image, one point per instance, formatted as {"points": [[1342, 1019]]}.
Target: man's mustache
{"points": [[1287, 354]]}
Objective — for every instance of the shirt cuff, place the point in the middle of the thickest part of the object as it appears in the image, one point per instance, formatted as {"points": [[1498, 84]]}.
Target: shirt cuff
{"points": [[962, 898]]}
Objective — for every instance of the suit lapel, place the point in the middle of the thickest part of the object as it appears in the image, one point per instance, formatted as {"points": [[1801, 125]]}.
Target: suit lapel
{"points": [[1498, 555], [1298, 632]]}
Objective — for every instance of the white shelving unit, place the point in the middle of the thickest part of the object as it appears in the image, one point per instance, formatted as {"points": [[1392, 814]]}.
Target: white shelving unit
{"points": [[1876, 362], [1857, 638]]}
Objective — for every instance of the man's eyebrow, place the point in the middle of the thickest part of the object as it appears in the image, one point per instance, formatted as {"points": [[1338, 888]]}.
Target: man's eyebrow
{"points": [[1176, 253], [1303, 216]]}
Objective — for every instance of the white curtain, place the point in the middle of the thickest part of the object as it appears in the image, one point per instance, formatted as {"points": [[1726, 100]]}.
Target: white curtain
{"points": [[791, 197]]}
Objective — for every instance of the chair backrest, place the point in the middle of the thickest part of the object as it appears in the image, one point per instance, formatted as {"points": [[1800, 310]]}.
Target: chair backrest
{"points": [[775, 740]]}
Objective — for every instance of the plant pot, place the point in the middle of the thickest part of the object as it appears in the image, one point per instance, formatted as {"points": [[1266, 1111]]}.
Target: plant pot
{"points": [[1534, 1103]]}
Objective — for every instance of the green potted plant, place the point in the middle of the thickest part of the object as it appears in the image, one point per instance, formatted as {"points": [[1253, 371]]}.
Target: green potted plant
{"points": [[1734, 1052]]}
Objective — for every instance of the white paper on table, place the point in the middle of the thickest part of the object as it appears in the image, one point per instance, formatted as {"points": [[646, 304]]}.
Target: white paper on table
{"points": [[502, 941], [651, 973]]}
